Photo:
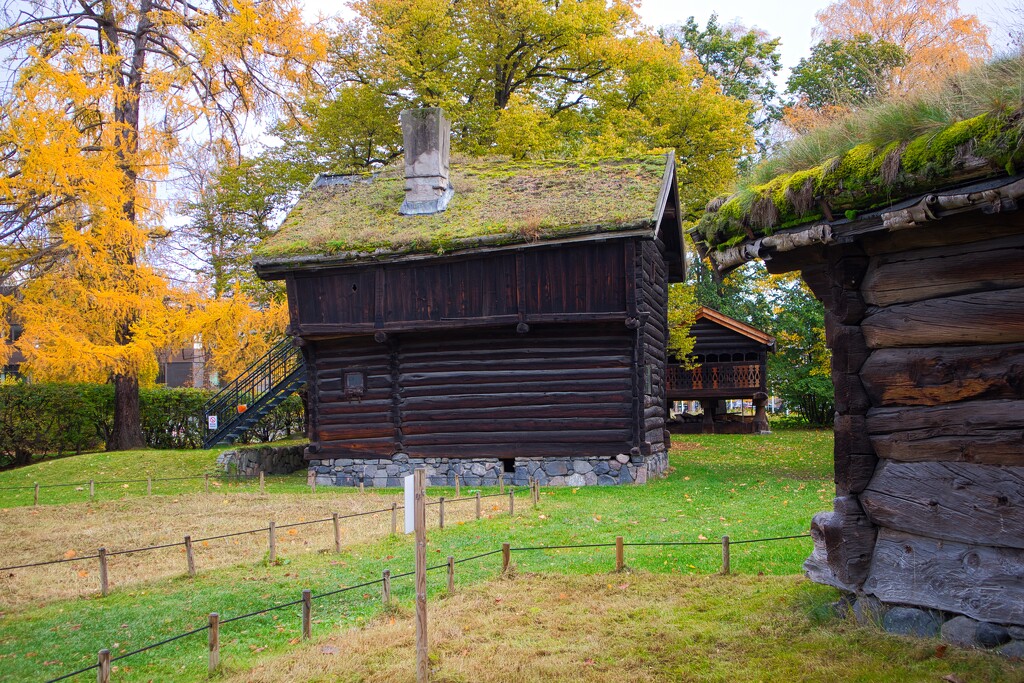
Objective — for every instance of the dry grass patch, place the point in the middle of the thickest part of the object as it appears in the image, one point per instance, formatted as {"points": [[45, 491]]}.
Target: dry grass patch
{"points": [[629, 627], [56, 532]]}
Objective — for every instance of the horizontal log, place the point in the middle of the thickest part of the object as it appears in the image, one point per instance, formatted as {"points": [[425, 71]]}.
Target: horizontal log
{"points": [[493, 400], [411, 380], [581, 437], [541, 410], [499, 362], [851, 397], [993, 317], [520, 388], [992, 448], [411, 426], [945, 271], [520, 450], [968, 417], [954, 501], [849, 348], [364, 434], [343, 449], [528, 345], [850, 435], [380, 396], [937, 375], [355, 407], [981, 582], [844, 540]]}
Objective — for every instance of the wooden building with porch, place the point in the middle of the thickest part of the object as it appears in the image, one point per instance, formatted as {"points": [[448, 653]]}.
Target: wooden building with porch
{"points": [[730, 361], [491, 318], [916, 249]]}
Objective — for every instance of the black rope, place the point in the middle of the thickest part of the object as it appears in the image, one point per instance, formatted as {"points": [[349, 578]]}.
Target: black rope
{"points": [[162, 642], [73, 674], [233, 533], [562, 547], [262, 611], [150, 547], [477, 557], [315, 521], [42, 564]]}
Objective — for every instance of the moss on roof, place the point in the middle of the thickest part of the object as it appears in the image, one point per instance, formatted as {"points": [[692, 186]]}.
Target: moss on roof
{"points": [[882, 155], [505, 201]]}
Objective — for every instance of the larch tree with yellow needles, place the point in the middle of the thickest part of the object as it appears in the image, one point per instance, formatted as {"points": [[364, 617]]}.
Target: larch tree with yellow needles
{"points": [[99, 97]]}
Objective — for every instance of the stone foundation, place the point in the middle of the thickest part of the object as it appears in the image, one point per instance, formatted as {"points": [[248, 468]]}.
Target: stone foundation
{"points": [[266, 459], [556, 471]]}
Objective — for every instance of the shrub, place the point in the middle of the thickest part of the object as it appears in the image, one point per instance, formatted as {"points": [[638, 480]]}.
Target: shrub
{"points": [[44, 419]]}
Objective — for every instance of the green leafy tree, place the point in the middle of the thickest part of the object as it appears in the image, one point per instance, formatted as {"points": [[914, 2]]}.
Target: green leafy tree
{"points": [[845, 71], [743, 60]]}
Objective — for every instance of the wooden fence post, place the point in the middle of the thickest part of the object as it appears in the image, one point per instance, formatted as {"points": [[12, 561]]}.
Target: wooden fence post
{"points": [[337, 532], [361, 488], [104, 585], [312, 485], [725, 554], [506, 556], [273, 542], [420, 524], [189, 557], [501, 483], [35, 498], [451, 574], [261, 482], [440, 507], [457, 488], [478, 505], [619, 559], [92, 489], [385, 588], [103, 668], [307, 614], [207, 483], [213, 640], [394, 519], [149, 486], [511, 503]]}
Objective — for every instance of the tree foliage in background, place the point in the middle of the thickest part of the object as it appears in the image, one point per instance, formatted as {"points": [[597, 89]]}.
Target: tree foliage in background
{"points": [[938, 39], [521, 78], [840, 74], [744, 61], [100, 97]]}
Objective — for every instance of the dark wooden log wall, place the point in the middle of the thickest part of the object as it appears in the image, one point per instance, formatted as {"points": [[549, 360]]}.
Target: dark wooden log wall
{"points": [[652, 340], [926, 328], [565, 354]]}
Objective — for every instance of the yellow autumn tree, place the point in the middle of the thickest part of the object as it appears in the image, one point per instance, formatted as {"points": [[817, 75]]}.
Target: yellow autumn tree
{"points": [[99, 99], [938, 38]]}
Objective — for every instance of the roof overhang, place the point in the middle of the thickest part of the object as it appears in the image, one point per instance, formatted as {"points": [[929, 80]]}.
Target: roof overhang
{"points": [[710, 314], [991, 196], [668, 222]]}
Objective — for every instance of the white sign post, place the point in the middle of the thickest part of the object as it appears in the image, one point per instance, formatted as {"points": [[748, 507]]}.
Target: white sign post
{"points": [[410, 505]]}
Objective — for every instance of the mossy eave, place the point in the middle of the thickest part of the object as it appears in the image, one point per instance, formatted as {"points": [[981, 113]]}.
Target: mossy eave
{"points": [[868, 178], [276, 267], [355, 219]]}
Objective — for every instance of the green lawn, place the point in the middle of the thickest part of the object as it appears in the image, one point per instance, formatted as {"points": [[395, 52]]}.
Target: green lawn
{"points": [[742, 486]]}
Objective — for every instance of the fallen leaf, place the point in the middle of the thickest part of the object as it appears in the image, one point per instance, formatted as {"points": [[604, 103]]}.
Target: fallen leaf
{"points": [[83, 573], [292, 532], [69, 554], [330, 649], [702, 537], [953, 678], [940, 651], [295, 641]]}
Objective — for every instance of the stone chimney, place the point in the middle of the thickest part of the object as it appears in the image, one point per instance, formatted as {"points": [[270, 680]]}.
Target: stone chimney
{"points": [[426, 133]]}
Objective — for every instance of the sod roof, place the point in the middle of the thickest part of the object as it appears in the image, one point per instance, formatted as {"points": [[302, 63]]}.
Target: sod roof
{"points": [[496, 202], [880, 156]]}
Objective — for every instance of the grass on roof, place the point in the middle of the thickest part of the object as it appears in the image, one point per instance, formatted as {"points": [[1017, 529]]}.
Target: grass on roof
{"points": [[509, 201], [972, 127]]}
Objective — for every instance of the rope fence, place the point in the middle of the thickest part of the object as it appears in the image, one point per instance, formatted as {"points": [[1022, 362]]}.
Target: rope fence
{"points": [[102, 666], [102, 554]]}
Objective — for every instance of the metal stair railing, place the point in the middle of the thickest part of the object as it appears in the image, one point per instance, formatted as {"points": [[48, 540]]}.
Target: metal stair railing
{"points": [[239, 406]]}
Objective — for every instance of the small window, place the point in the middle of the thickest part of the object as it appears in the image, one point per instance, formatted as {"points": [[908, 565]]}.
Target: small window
{"points": [[355, 384]]}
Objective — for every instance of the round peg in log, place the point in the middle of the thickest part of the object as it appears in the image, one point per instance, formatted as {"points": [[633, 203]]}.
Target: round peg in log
{"points": [[632, 323], [522, 328], [380, 336]]}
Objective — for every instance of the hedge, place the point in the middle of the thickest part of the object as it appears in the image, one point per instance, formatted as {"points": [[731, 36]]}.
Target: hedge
{"points": [[41, 419]]}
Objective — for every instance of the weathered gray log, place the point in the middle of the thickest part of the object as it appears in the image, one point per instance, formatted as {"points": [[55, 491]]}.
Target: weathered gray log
{"points": [[953, 501], [853, 471], [932, 376], [994, 317], [851, 397], [982, 582], [945, 271], [848, 344], [844, 541], [990, 432]]}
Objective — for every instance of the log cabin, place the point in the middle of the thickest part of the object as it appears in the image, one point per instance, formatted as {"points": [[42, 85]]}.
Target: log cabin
{"points": [[916, 249], [730, 361], [483, 318]]}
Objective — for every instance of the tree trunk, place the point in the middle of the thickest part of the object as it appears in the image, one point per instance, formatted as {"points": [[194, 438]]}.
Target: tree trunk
{"points": [[127, 432]]}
